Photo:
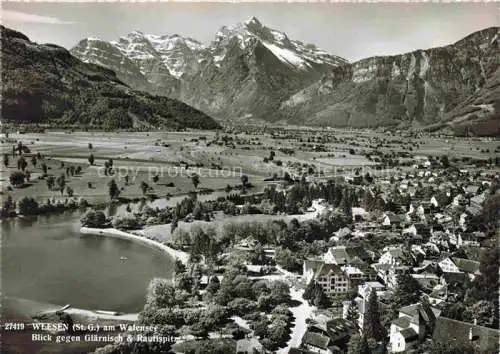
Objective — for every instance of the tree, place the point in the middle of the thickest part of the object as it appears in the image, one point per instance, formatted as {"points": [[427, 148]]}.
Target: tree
{"points": [[347, 202], [91, 159], [6, 160], [310, 290], [280, 291], [70, 191], [34, 160], [185, 282], [260, 328], [17, 178], [195, 179], [21, 163], [51, 180], [352, 312], [113, 189], [286, 259], [94, 218], [407, 291], [320, 299], [242, 306], [90, 146], [198, 211], [213, 285], [174, 225], [372, 327], [144, 187], [160, 294], [8, 207], [244, 180], [61, 182], [44, 168], [28, 206], [354, 344], [363, 346], [445, 161], [278, 331]]}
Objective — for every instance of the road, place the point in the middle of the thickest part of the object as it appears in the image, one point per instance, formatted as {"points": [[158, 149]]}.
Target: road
{"points": [[301, 313]]}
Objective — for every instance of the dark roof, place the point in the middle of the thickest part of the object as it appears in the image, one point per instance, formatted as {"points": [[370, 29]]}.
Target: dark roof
{"points": [[327, 270], [340, 329], [466, 265], [454, 277], [299, 351], [419, 312], [347, 254], [247, 345], [316, 340], [313, 264], [402, 322], [457, 333], [409, 334]]}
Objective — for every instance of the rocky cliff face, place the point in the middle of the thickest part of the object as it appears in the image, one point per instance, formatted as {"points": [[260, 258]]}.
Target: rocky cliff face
{"points": [[417, 88], [251, 71], [245, 72], [146, 62]]}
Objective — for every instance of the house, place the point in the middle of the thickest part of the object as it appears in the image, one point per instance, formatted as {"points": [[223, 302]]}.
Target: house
{"points": [[392, 255], [459, 265], [362, 304], [448, 266], [334, 281], [390, 219], [460, 334], [342, 255], [343, 233], [404, 340], [249, 346], [359, 213], [355, 275], [413, 324], [434, 202], [365, 289], [316, 342], [338, 330], [438, 295], [412, 231], [467, 266], [426, 280], [453, 278]]}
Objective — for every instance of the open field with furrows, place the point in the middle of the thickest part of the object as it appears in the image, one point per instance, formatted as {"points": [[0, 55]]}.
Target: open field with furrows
{"points": [[218, 158]]}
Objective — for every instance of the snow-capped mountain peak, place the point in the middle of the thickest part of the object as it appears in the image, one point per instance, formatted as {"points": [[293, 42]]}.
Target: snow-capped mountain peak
{"points": [[172, 54], [253, 21], [293, 53]]}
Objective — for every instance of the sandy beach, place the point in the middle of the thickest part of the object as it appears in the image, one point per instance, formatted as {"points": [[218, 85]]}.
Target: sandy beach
{"points": [[110, 232]]}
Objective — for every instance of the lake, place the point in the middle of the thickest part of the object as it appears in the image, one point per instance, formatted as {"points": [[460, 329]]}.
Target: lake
{"points": [[46, 259]]}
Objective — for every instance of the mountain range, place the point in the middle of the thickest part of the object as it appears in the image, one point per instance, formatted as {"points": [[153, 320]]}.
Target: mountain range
{"points": [[246, 72], [253, 73], [46, 84]]}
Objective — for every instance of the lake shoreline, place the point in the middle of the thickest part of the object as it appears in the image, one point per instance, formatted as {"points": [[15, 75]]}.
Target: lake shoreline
{"points": [[111, 232]]}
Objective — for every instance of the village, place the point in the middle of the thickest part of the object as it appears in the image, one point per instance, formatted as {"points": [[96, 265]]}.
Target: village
{"points": [[403, 262], [338, 242]]}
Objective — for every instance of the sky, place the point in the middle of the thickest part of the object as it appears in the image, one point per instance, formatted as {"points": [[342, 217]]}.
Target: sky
{"points": [[350, 30]]}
